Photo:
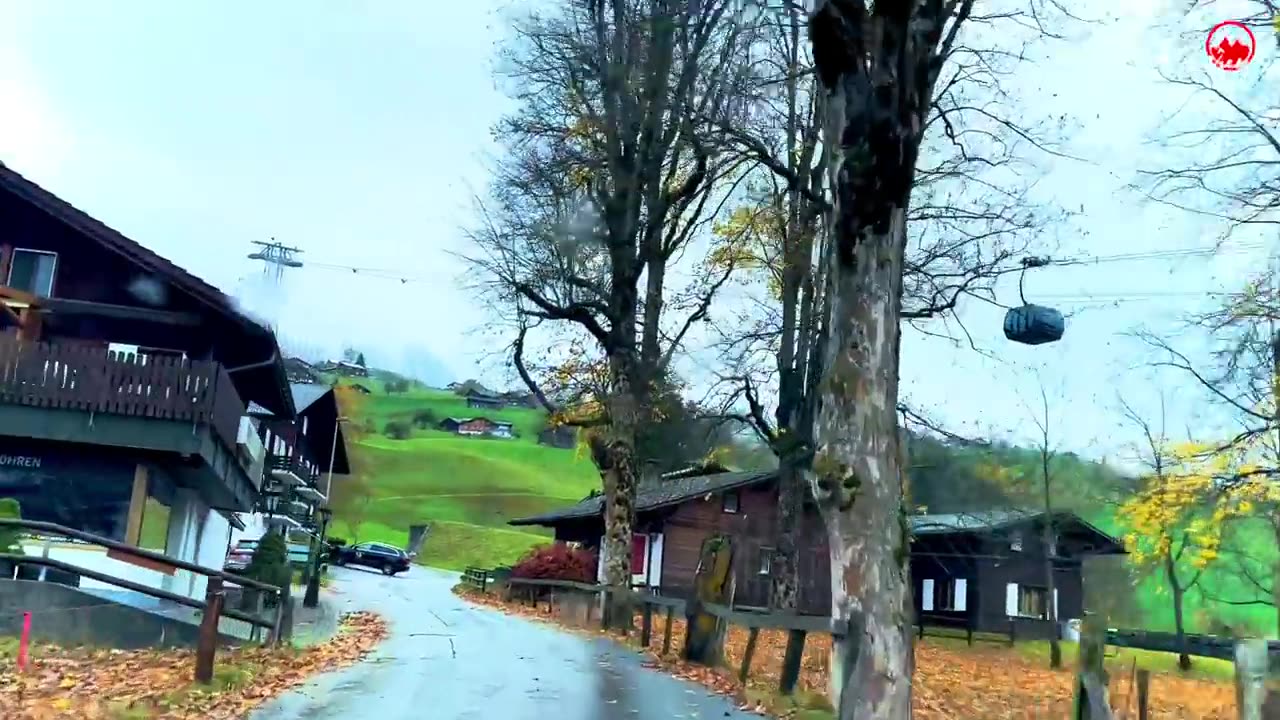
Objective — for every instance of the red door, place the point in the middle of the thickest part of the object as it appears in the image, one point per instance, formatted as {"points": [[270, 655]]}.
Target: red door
{"points": [[639, 553]]}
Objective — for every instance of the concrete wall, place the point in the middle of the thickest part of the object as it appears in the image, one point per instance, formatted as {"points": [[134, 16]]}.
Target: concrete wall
{"points": [[69, 617]]}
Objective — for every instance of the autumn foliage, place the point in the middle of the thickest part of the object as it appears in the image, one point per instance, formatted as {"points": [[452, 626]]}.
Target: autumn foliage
{"points": [[951, 682], [93, 684], [557, 561]]}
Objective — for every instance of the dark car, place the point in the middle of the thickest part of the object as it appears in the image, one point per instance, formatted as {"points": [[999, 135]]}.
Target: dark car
{"points": [[379, 556]]}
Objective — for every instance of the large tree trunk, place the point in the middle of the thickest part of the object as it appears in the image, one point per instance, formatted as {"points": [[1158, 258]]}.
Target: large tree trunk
{"points": [[857, 469], [615, 456], [785, 570]]}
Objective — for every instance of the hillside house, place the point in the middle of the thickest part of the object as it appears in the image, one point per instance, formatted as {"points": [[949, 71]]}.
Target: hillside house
{"points": [[564, 437], [343, 368], [520, 399], [982, 569], [124, 383], [484, 401], [479, 426], [303, 453], [300, 371]]}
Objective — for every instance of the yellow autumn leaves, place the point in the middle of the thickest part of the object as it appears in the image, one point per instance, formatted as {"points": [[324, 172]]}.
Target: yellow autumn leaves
{"points": [[1182, 509]]}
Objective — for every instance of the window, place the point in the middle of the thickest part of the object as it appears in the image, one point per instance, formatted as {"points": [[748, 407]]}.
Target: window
{"points": [[946, 595], [1028, 601], [1015, 542], [729, 501], [32, 271], [766, 561]]}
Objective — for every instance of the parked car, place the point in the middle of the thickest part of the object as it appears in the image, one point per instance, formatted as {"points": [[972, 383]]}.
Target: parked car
{"points": [[379, 556], [241, 554]]}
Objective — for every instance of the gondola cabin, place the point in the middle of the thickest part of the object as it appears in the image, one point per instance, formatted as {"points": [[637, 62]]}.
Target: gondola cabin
{"points": [[1034, 325]]}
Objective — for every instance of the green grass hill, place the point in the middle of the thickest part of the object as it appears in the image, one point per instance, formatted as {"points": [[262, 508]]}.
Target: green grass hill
{"points": [[465, 487]]}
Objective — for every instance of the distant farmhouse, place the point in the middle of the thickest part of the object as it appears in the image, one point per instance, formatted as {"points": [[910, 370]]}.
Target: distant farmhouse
{"points": [[478, 427], [342, 367], [564, 437], [301, 372], [479, 396]]}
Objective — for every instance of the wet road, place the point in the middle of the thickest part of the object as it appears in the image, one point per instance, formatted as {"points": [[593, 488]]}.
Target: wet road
{"points": [[448, 660]]}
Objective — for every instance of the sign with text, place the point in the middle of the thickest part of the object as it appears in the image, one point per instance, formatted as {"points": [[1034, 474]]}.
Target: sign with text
{"points": [[72, 485]]}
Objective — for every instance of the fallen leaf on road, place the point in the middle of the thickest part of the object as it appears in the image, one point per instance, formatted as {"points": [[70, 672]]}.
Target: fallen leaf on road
{"points": [[96, 684]]}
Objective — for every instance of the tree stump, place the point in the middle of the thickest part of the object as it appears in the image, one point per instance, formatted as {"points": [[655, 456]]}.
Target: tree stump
{"points": [[713, 584]]}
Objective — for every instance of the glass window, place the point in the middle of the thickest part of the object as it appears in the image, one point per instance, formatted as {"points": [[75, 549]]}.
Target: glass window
{"points": [[32, 271], [729, 503]]}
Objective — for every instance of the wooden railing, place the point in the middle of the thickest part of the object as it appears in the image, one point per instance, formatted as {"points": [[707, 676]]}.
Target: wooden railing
{"points": [[212, 608], [85, 377], [294, 464], [797, 626]]}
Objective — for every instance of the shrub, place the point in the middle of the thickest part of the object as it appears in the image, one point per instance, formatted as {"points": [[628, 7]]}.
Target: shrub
{"points": [[397, 430], [270, 563], [10, 538], [557, 562], [425, 418]]}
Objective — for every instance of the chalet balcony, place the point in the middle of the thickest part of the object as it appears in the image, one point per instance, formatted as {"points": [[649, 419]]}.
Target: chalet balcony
{"points": [[291, 471], [158, 407]]}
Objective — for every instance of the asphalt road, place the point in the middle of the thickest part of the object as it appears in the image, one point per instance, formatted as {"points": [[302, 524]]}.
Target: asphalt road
{"points": [[448, 660]]}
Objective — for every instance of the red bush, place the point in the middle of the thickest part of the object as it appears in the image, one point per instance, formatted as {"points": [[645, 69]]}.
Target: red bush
{"points": [[557, 562]]}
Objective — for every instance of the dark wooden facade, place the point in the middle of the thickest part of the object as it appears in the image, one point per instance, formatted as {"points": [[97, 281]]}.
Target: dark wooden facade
{"points": [[108, 289], [994, 560]]}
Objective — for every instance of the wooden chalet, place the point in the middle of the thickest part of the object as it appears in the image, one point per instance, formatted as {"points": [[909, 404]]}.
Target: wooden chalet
{"points": [[478, 426], [979, 570], [302, 453], [124, 378], [300, 371], [484, 400]]}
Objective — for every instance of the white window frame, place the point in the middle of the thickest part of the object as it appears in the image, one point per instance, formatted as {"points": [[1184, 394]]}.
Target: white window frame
{"points": [[53, 276], [1013, 601], [959, 594]]}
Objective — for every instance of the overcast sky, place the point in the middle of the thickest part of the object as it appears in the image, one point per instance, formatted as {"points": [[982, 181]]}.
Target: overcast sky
{"points": [[359, 133]]}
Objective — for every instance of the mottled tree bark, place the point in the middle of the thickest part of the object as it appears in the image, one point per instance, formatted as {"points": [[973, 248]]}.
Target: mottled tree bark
{"points": [[785, 570], [876, 64]]}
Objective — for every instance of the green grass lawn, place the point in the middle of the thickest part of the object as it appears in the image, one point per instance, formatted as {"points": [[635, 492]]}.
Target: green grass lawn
{"points": [[466, 488]]}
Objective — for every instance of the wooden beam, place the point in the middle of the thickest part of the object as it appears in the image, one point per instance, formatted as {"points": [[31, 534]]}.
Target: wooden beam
{"points": [[119, 312]]}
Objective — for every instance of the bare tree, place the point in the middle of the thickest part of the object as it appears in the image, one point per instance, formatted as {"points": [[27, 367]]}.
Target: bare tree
{"points": [[610, 175], [971, 218], [1049, 540]]}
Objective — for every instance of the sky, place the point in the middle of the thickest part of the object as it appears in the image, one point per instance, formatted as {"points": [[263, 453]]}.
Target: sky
{"points": [[360, 134]]}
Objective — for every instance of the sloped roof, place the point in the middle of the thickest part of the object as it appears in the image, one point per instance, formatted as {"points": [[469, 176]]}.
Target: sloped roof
{"points": [[13, 182], [673, 489], [305, 394], [656, 494]]}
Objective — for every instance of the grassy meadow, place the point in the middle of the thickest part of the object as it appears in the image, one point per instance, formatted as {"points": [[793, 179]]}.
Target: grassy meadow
{"points": [[467, 488]]}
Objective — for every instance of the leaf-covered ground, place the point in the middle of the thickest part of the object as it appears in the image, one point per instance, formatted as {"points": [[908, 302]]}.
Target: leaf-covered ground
{"points": [[91, 684], [952, 681]]}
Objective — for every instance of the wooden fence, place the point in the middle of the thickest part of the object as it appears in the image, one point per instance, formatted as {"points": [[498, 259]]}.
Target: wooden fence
{"points": [[798, 627], [86, 377], [1255, 699], [477, 578]]}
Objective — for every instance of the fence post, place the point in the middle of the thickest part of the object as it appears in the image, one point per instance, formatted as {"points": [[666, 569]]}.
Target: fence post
{"points": [[791, 661], [666, 631], [1251, 678], [1144, 688], [646, 626], [1091, 702], [208, 642]]}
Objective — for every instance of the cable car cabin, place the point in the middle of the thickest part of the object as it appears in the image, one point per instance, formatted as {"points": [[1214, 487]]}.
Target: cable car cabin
{"points": [[1034, 325]]}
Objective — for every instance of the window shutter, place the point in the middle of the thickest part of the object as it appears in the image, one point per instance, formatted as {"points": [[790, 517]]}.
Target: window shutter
{"points": [[1011, 599], [1055, 604], [926, 596], [962, 595]]}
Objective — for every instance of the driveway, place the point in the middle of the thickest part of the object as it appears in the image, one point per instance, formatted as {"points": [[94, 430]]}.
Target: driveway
{"points": [[448, 660]]}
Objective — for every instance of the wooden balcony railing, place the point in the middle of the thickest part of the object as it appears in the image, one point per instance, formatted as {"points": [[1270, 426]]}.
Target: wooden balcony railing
{"points": [[84, 377], [293, 464]]}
